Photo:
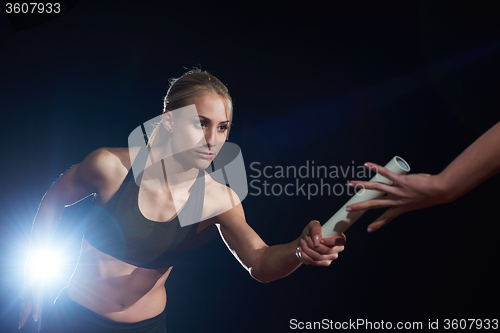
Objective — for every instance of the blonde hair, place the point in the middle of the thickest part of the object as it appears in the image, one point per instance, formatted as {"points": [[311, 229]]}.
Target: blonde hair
{"points": [[190, 84]]}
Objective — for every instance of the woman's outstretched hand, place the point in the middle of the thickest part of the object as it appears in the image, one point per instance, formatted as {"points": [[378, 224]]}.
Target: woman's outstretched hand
{"points": [[315, 250], [407, 193], [473, 166]]}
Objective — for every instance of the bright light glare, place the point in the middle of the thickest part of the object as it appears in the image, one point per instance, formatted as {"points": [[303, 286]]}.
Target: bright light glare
{"points": [[46, 265]]}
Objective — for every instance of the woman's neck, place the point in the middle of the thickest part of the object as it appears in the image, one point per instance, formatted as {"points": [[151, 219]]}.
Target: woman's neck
{"points": [[164, 170]]}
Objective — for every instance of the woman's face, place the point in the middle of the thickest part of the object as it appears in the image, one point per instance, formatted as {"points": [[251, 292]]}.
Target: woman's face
{"points": [[199, 130]]}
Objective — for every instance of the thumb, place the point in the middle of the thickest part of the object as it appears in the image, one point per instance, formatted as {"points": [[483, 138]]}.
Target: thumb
{"points": [[315, 232]]}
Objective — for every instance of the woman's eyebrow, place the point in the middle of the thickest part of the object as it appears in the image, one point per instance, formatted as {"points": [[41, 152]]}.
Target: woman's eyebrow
{"points": [[209, 120]]}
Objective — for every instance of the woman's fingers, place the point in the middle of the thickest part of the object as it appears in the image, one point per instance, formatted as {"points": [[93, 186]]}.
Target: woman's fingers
{"points": [[36, 311], [367, 185], [382, 171], [384, 219], [326, 245], [318, 251], [334, 241], [30, 303], [25, 312], [323, 254], [389, 201], [309, 258]]}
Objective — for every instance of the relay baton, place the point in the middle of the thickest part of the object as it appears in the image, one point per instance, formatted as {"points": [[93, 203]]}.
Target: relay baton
{"points": [[343, 219]]}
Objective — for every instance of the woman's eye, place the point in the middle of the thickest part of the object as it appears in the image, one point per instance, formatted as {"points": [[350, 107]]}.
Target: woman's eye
{"points": [[202, 124]]}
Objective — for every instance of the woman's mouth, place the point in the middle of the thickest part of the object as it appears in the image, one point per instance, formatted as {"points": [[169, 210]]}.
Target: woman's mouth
{"points": [[205, 155]]}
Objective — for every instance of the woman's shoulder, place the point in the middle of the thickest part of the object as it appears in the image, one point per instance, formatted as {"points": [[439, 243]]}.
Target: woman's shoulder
{"points": [[106, 157], [219, 198], [105, 163]]}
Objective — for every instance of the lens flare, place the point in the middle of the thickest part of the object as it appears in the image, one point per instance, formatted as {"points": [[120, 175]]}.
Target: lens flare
{"points": [[45, 265]]}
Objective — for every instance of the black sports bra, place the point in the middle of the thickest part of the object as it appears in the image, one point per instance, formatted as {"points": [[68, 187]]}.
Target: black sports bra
{"points": [[118, 227]]}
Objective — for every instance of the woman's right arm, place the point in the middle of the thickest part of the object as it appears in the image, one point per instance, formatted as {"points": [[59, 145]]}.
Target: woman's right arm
{"points": [[75, 184]]}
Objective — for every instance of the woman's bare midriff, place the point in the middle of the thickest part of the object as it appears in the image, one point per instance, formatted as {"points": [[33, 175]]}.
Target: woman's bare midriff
{"points": [[115, 289]]}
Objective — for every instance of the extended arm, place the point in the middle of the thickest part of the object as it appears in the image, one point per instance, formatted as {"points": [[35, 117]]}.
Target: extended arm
{"points": [[267, 263], [479, 162]]}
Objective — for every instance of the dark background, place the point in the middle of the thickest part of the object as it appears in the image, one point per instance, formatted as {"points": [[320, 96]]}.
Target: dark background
{"points": [[337, 83]]}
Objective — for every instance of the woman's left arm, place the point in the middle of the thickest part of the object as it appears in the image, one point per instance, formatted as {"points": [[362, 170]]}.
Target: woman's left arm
{"points": [[267, 263]]}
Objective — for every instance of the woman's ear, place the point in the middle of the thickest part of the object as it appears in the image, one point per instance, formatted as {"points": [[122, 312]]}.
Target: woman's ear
{"points": [[167, 120]]}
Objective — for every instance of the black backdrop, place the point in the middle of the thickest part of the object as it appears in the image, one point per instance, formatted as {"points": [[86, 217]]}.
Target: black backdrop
{"points": [[335, 83]]}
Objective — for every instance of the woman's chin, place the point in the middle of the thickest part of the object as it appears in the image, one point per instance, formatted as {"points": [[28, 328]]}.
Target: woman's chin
{"points": [[202, 164]]}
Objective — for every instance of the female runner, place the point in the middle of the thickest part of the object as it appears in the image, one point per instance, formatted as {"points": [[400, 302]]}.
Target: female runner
{"points": [[151, 205]]}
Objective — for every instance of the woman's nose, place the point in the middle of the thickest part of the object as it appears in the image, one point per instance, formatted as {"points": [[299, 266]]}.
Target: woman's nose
{"points": [[210, 138]]}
